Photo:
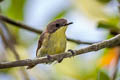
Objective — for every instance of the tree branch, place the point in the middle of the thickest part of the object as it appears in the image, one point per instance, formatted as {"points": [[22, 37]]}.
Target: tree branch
{"points": [[115, 41], [117, 64], [19, 24], [10, 45], [80, 42], [29, 28]]}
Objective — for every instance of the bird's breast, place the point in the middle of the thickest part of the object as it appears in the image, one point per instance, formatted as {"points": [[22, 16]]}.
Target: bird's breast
{"points": [[56, 42]]}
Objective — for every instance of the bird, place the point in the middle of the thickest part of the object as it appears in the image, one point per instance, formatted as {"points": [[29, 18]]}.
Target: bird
{"points": [[53, 39]]}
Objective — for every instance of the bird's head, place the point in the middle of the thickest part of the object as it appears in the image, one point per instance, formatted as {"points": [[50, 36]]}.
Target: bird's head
{"points": [[55, 25]]}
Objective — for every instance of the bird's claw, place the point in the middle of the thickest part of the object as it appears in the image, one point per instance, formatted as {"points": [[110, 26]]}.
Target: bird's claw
{"points": [[49, 57], [60, 60], [70, 50]]}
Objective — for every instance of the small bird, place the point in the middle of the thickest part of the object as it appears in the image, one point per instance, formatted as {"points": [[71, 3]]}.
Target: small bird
{"points": [[53, 39]]}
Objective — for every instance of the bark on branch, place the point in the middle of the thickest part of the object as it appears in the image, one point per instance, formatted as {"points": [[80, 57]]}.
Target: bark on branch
{"points": [[29, 28], [115, 41]]}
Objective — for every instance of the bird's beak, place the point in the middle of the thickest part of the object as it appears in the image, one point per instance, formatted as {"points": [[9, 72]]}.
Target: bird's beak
{"points": [[68, 23]]}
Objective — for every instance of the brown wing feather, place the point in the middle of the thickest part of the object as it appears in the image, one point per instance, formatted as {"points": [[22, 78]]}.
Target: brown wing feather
{"points": [[39, 46], [40, 42]]}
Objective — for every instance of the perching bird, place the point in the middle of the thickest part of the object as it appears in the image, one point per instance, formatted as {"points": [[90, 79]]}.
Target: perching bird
{"points": [[53, 39]]}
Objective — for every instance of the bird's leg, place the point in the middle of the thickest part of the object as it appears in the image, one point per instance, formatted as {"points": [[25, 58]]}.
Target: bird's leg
{"points": [[60, 60], [49, 57], [70, 50]]}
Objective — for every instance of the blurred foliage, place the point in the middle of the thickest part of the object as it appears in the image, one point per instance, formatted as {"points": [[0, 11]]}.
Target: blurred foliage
{"points": [[61, 14], [14, 11], [21, 51], [112, 22], [103, 75], [108, 57], [1, 0], [104, 1], [92, 8], [75, 68], [15, 72], [78, 69]]}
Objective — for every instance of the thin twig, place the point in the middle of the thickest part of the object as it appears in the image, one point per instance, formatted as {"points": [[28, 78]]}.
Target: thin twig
{"points": [[10, 45], [29, 28], [80, 42], [7, 43], [117, 62], [19, 24], [115, 41], [11, 36]]}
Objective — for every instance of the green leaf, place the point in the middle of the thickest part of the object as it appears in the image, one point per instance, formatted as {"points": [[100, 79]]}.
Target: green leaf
{"points": [[104, 1], [61, 14], [15, 10], [112, 22], [102, 75]]}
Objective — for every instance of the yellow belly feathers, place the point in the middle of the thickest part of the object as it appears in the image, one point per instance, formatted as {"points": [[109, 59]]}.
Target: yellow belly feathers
{"points": [[55, 44]]}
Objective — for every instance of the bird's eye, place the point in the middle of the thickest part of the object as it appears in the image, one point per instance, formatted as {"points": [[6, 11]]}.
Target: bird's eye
{"points": [[57, 25]]}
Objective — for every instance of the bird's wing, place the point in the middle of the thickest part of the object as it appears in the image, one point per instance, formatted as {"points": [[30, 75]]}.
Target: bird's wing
{"points": [[40, 42]]}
